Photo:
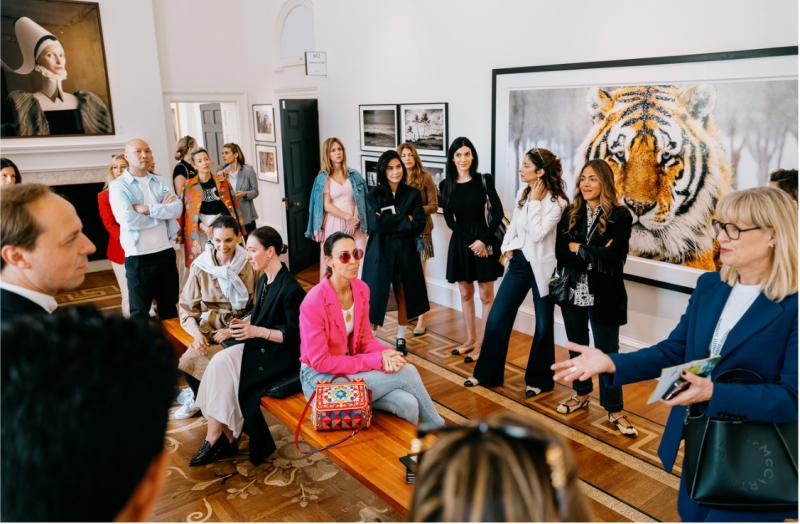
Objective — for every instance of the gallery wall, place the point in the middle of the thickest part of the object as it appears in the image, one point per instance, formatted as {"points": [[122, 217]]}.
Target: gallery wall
{"points": [[445, 51]]}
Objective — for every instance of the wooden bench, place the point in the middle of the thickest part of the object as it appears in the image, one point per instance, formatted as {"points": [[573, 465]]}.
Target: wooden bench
{"points": [[372, 456]]}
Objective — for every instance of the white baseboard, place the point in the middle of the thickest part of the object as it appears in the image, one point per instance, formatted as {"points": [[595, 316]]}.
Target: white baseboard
{"points": [[446, 294]]}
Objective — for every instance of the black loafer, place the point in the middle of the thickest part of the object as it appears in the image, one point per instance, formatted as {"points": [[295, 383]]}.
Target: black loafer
{"points": [[400, 344], [208, 452]]}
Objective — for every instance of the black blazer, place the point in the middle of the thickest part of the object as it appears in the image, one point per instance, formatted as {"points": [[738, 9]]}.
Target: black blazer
{"points": [[264, 362], [13, 306], [392, 251], [605, 277]]}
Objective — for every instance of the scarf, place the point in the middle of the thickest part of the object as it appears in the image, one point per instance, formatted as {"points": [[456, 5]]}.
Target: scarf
{"points": [[227, 276]]}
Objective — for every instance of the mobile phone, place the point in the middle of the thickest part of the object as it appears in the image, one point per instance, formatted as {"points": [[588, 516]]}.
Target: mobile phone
{"points": [[677, 387]]}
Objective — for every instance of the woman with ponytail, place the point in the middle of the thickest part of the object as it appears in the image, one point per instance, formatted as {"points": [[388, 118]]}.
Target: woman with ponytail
{"points": [[268, 353], [184, 170], [529, 247]]}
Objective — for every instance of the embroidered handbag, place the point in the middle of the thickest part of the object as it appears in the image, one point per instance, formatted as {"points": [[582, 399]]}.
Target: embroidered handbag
{"points": [[338, 405], [740, 465]]}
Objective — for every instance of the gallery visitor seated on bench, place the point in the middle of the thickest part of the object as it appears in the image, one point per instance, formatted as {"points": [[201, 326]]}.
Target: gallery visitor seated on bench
{"points": [[236, 377], [336, 339], [505, 468]]}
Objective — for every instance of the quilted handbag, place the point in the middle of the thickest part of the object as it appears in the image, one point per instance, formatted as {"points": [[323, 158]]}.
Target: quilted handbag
{"points": [[338, 405]]}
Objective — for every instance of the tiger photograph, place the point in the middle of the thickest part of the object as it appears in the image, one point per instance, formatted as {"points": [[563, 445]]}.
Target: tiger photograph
{"points": [[674, 149]]}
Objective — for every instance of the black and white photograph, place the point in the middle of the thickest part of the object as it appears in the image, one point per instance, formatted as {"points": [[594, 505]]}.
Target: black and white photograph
{"points": [[437, 170], [54, 80], [264, 122], [369, 169], [378, 127], [267, 163], [425, 126]]}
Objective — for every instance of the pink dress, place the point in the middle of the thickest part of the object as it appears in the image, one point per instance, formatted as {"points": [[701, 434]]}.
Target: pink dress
{"points": [[342, 197]]}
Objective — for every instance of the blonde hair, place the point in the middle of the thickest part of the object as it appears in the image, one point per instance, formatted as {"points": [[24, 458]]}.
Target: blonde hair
{"points": [[766, 208], [327, 166], [114, 160], [416, 174], [184, 145], [501, 469]]}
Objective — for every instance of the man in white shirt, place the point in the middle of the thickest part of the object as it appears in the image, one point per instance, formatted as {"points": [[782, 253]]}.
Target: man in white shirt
{"points": [[147, 209], [44, 250]]}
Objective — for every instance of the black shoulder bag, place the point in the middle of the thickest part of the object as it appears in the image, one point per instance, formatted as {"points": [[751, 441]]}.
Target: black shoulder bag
{"points": [[738, 465], [500, 232]]}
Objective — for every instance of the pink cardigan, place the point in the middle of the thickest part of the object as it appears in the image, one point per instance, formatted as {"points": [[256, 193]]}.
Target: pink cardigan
{"points": [[323, 337]]}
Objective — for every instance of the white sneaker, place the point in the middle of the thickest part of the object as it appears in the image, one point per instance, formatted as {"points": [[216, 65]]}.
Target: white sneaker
{"points": [[185, 395], [187, 410]]}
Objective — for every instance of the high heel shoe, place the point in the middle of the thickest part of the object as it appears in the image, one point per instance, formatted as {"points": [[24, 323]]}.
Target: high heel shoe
{"points": [[471, 382], [531, 391], [463, 350], [469, 359]]}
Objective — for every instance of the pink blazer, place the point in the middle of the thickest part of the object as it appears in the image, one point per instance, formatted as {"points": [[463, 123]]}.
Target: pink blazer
{"points": [[324, 345]]}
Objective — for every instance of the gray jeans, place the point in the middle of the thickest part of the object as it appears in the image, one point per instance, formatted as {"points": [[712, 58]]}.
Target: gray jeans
{"points": [[402, 393]]}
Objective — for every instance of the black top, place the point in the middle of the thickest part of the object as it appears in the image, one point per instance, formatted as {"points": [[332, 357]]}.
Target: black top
{"points": [[64, 122], [465, 214], [211, 204], [183, 168]]}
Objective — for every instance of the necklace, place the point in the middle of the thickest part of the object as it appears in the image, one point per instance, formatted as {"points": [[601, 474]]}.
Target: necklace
{"points": [[349, 316]]}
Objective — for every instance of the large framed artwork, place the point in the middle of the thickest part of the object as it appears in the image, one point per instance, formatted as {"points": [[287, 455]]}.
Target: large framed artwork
{"points": [[378, 124], [679, 133], [54, 78], [264, 122], [425, 126], [369, 169], [267, 163]]}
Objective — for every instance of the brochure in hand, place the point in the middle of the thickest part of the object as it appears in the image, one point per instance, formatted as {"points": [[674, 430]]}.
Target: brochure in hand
{"points": [[670, 382]]}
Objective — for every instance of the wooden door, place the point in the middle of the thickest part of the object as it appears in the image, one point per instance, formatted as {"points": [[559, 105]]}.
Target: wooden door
{"points": [[212, 132]]}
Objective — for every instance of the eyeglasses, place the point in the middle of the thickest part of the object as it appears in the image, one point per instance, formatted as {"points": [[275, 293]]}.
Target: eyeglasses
{"points": [[344, 256], [732, 231]]}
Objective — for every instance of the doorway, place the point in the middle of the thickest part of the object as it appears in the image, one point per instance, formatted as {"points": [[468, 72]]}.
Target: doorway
{"points": [[212, 124], [300, 148]]}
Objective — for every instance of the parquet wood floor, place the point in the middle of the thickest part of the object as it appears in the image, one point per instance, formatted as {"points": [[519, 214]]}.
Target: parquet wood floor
{"points": [[622, 477]]}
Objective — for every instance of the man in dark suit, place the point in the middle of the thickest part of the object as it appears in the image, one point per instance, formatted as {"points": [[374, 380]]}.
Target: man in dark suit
{"points": [[43, 250]]}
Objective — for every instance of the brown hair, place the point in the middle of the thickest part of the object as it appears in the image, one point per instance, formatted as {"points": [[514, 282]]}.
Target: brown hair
{"points": [[327, 145], [236, 150], [417, 174], [608, 194], [183, 146], [18, 227], [114, 160], [501, 469], [552, 178], [786, 179]]}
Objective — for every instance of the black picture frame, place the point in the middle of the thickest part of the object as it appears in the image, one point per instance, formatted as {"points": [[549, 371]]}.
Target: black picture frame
{"points": [[426, 126], [378, 127]]}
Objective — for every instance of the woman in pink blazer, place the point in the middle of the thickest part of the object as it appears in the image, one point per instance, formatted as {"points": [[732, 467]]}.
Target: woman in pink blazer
{"points": [[335, 337]]}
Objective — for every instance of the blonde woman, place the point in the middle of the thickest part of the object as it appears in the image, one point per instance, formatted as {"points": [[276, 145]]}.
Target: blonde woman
{"points": [[114, 251], [338, 200], [422, 181], [184, 169], [746, 313]]}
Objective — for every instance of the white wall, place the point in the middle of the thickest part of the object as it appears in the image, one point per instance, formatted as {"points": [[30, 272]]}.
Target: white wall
{"points": [[136, 94], [445, 51]]}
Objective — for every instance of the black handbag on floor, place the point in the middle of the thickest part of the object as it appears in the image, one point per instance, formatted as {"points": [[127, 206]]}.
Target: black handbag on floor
{"points": [[740, 465]]}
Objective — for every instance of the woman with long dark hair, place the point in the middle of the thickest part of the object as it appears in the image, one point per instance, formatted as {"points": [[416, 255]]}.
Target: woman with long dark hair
{"points": [[244, 183], [396, 220], [592, 245], [529, 247], [474, 250]]}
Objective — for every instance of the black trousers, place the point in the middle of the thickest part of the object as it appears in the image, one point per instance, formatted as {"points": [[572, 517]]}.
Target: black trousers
{"points": [[606, 338], [153, 276]]}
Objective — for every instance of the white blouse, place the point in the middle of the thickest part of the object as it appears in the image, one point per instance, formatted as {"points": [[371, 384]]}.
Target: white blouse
{"points": [[349, 319], [739, 301]]}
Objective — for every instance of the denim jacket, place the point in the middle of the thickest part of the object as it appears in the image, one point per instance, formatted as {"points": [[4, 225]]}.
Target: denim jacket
{"points": [[124, 192], [316, 205]]}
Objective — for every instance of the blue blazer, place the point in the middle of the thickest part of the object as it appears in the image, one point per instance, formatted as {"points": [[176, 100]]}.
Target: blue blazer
{"points": [[764, 340]]}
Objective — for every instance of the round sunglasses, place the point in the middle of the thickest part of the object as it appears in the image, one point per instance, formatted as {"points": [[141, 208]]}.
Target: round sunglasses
{"points": [[344, 256]]}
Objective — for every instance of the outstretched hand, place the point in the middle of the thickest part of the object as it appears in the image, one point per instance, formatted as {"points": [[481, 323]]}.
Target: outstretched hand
{"points": [[590, 362]]}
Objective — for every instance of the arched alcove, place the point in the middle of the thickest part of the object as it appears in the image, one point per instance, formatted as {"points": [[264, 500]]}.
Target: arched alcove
{"points": [[295, 31]]}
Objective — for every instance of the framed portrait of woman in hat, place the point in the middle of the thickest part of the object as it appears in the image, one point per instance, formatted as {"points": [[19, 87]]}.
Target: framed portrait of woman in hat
{"points": [[54, 76]]}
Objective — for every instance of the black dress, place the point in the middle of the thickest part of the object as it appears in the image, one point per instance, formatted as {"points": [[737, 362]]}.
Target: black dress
{"points": [[184, 169], [264, 363], [392, 255], [464, 213]]}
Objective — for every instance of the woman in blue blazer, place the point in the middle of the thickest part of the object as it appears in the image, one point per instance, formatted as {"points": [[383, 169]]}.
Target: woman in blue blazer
{"points": [[746, 313]]}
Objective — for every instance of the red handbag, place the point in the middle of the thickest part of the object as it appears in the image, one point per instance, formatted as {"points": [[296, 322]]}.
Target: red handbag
{"points": [[339, 405]]}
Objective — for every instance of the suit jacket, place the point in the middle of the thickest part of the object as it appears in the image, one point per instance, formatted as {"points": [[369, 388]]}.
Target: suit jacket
{"points": [[13, 306], [114, 251], [265, 363], [764, 340], [247, 182], [607, 262], [392, 251], [325, 346]]}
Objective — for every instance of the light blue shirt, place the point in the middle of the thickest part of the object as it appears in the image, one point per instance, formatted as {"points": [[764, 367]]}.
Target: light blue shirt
{"points": [[125, 192]]}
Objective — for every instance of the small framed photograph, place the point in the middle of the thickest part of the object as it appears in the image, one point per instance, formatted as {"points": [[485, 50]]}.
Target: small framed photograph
{"points": [[267, 163], [437, 170], [378, 127], [425, 126], [369, 169], [264, 122]]}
